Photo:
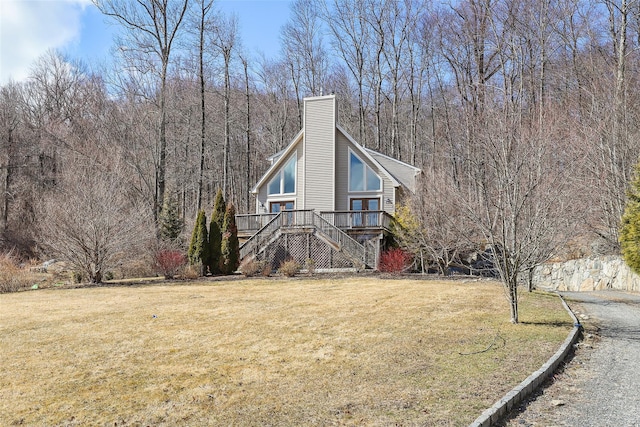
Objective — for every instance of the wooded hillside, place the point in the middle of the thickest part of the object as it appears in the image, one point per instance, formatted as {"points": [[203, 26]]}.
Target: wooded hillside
{"points": [[500, 102]]}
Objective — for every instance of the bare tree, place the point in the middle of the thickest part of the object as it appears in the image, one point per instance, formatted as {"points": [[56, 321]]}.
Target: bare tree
{"points": [[91, 220], [151, 28], [430, 225], [350, 40], [247, 94], [225, 39], [9, 123], [201, 24], [521, 201], [303, 46]]}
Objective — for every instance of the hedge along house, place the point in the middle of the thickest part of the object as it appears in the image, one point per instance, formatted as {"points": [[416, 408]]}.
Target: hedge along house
{"points": [[324, 198]]}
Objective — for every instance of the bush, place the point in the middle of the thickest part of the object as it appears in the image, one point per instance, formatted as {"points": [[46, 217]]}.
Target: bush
{"points": [[310, 265], [77, 277], [629, 234], [192, 271], [230, 247], [12, 277], [169, 262], [255, 268], [394, 261], [216, 262], [134, 268], [199, 247], [289, 268]]}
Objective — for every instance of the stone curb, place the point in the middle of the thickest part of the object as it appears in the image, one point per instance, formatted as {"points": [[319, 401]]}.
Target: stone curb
{"points": [[526, 387]]}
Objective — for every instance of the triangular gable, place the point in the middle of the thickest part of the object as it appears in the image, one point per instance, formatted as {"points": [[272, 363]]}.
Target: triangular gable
{"points": [[364, 153], [279, 159]]}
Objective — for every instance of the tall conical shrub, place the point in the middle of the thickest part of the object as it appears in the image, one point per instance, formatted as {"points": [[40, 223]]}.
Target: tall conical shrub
{"points": [[219, 209], [230, 243], [215, 234], [215, 249], [629, 235], [170, 222], [199, 247]]}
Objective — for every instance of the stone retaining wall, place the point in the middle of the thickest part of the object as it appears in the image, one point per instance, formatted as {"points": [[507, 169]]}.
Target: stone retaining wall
{"points": [[587, 274]]}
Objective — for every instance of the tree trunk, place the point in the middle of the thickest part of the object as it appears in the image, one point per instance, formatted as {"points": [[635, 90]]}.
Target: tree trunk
{"points": [[202, 107]]}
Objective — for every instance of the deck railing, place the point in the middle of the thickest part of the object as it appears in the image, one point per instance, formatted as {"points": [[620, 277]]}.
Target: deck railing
{"points": [[250, 224], [253, 223], [358, 219]]}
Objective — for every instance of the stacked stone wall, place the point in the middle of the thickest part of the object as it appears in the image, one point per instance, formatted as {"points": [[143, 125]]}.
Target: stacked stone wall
{"points": [[587, 274]]}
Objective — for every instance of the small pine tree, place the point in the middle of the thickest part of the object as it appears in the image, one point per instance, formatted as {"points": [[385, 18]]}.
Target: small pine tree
{"points": [[230, 244], [219, 209], [215, 248], [629, 235], [170, 222], [215, 234], [199, 247]]}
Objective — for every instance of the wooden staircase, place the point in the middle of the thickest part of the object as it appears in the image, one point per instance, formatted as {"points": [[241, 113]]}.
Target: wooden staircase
{"points": [[309, 222]]}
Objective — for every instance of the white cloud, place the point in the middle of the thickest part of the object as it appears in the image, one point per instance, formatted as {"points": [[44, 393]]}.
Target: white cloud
{"points": [[28, 28]]}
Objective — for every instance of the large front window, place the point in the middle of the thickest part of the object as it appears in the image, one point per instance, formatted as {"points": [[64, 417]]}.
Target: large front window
{"points": [[361, 176], [284, 182]]}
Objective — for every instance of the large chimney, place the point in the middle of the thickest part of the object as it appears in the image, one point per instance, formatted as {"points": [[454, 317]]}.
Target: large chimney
{"points": [[319, 153]]}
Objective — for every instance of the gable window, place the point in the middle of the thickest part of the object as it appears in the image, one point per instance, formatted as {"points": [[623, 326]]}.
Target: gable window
{"points": [[361, 176], [284, 182]]}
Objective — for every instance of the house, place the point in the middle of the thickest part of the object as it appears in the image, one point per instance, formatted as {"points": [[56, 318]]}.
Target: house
{"points": [[325, 197]]}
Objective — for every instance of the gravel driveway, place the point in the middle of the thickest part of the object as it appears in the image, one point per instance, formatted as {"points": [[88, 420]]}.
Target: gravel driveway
{"points": [[601, 385]]}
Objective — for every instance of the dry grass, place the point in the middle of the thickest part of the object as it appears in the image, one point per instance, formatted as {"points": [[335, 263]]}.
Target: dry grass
{"points": [[361, 351], [14, 277]]}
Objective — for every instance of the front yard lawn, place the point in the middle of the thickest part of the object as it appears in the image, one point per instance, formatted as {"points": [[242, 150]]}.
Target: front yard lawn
{"points": [[354, 351]]}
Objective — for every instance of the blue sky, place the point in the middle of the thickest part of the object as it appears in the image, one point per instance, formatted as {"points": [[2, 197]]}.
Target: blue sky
{"points": [[28, 28]]}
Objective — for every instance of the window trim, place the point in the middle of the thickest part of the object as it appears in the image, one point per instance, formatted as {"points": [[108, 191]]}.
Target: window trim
{"points": [[364, 177]]}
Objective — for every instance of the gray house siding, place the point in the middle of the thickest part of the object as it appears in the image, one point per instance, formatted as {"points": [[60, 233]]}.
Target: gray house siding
{"points": [[343, 195], [319, 151], [342, 172]]}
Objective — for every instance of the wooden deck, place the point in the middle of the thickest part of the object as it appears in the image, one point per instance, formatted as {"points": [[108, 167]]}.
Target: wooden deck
{"points": [[352, 222]]}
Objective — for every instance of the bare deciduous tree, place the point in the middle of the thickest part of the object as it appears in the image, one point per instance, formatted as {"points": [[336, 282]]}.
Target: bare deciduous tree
{"points": [[151, 26], [91, 220]]}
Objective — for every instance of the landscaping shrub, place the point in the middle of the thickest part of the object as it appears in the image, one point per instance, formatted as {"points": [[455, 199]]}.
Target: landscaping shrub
{"points": [[192, 272], [76, 277], [12, 277], [230, 247], [255, 268], [169, 262], [289, 268], [131, 268], [215, 260], [310, 265], [629, 234], [199, 247], [171, 224], [394, 260]]}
